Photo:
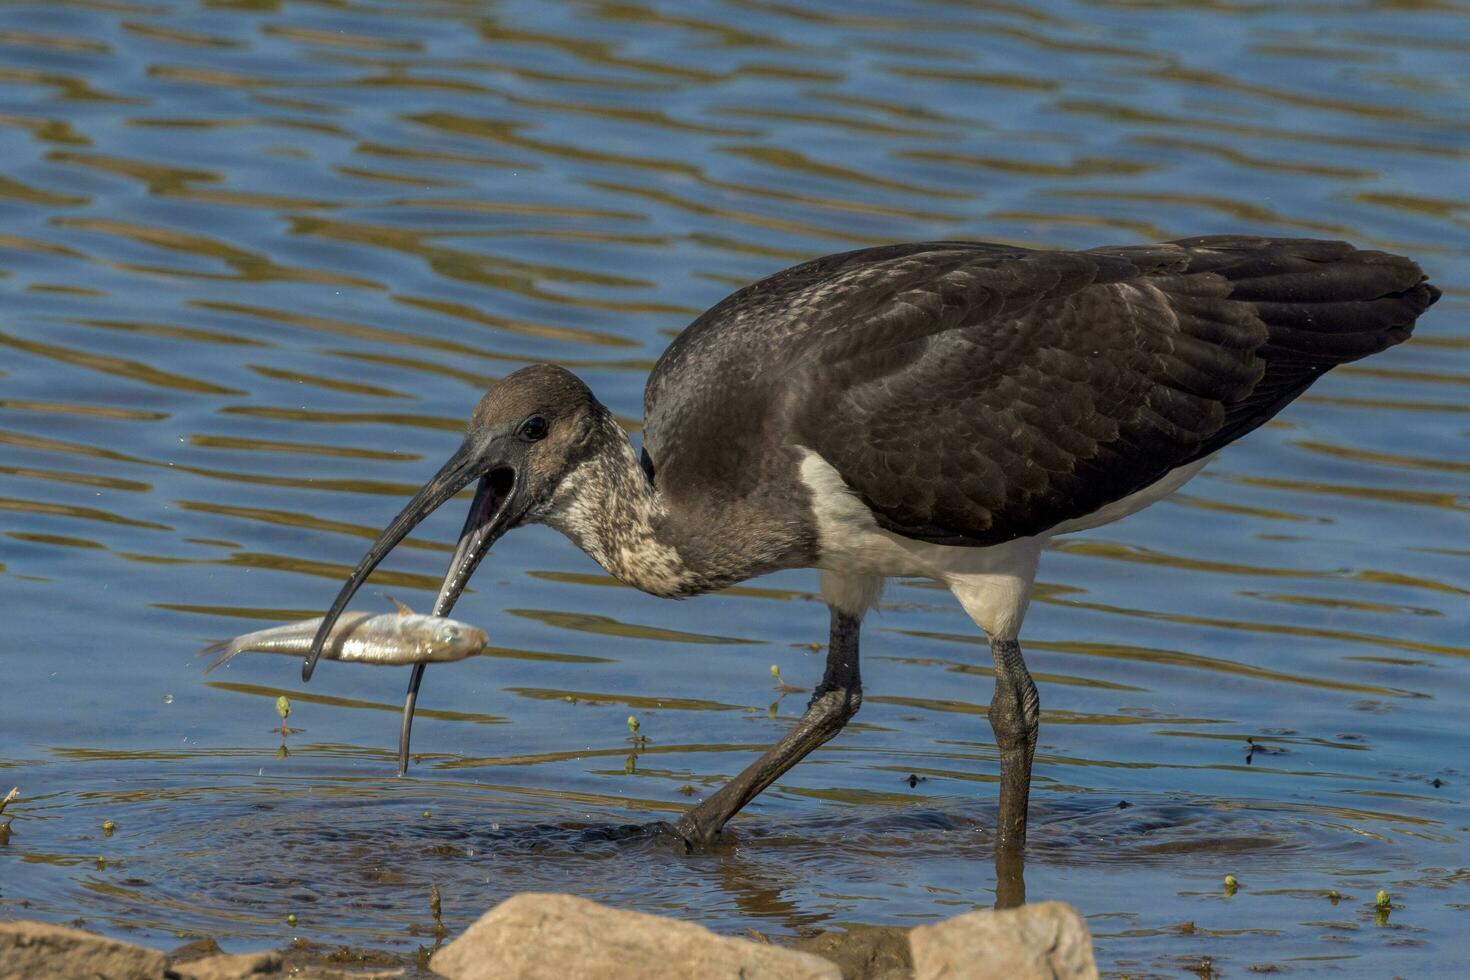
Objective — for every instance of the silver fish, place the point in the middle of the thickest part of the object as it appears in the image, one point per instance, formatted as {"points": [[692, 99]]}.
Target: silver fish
{"points": [[404, 637]]}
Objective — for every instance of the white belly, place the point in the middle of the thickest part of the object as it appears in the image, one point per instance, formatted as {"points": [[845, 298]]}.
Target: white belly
{"points": [[993, 583]]}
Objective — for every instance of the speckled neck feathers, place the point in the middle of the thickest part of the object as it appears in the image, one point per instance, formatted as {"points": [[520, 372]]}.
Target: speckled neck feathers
{"points": [[609, 508]]}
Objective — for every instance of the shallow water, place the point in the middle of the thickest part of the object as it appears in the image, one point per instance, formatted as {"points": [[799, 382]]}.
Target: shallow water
{"points": [[258, 260]]}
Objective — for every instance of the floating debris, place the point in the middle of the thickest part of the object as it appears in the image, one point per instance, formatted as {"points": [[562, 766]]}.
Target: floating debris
{"points": [[1232, 885], [291, 919], [108, 827], [436, 908], [1382, 905], [633, 725]]}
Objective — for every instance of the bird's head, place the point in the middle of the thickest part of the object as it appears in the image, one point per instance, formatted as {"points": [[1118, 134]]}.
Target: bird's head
{"points": [[524, 437]]}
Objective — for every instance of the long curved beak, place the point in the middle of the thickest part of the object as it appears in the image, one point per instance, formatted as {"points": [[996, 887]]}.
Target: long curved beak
{"points": [[486, 522]]}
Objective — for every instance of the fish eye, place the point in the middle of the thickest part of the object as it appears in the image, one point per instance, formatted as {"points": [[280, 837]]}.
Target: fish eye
{"points": [[533, 429]]}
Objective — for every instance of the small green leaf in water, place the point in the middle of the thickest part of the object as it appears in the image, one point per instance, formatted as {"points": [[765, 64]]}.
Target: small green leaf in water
{"points": [[108, 827], [1231, 885], [1382, 901]]}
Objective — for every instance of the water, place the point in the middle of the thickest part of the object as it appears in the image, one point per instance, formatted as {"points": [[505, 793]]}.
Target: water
{"points": [[259, 259]]}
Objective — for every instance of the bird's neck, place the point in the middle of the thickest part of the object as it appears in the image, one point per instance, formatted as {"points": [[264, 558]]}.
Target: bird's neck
{"points": [[611, 509]]}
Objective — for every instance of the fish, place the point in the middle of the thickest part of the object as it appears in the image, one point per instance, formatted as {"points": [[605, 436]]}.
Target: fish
{"points": [[390, 639]]}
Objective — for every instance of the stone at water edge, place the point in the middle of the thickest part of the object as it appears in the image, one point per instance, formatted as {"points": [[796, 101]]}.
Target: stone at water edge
{"points": [[537, 936], [39, 949], [1047, 941], [227, 966]]}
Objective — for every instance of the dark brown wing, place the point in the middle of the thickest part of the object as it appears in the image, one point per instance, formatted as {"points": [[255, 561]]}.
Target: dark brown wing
{"points": [[1062, 382], [974, 393]]}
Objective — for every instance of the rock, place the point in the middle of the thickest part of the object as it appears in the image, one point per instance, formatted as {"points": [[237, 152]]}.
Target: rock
{"points": [[232, 967], [38, 949], [1048, 941], [864, 952], [195, 949], [531, 936]]}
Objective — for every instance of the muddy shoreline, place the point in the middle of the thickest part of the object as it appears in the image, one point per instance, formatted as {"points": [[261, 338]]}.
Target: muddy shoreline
{"points": [[562, 937]]}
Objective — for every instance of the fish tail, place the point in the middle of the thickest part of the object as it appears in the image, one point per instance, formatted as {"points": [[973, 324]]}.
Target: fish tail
{"points": [[225, 650], [291, 639], [228, 648]]}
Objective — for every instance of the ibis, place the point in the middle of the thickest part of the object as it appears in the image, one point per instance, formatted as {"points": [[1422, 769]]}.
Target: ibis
{"points": [[934, 409]]}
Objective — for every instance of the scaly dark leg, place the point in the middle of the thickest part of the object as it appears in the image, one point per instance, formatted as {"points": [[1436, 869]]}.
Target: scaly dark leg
{"points": [[1010, 876], [1015, 711], [835, 700]]}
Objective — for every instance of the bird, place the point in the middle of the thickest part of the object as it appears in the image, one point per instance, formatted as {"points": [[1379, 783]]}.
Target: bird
{"points": [[935, 409]]}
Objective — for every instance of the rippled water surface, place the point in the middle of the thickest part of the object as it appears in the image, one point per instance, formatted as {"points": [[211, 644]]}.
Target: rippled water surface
{"points": [[258, 259]]}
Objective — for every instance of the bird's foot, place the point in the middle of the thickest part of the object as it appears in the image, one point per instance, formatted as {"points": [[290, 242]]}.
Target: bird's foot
{"points": [[685, 834]]}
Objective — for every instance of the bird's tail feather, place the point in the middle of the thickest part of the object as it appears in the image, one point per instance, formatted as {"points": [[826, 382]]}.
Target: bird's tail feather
{"points": [[1323, 303]]}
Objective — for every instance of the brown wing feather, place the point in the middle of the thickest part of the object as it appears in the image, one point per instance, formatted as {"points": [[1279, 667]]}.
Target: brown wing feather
{"points": [[973, 393], [992, 403]]}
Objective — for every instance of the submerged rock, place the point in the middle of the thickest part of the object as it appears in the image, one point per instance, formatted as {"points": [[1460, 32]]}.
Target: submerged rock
{"points": [[864, 952], [562, 937], [39, 949], [1044, 941]]}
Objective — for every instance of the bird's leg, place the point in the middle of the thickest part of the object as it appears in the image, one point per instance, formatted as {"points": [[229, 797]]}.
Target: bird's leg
{"points": [[1015, 711], [835, 700], [1010, 877]]}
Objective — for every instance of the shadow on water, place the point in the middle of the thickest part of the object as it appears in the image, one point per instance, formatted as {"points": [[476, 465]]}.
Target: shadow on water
{"points": [[258, 261]]}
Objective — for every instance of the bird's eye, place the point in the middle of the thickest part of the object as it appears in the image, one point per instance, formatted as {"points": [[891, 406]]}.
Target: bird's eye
{"points": [[533, 429]]}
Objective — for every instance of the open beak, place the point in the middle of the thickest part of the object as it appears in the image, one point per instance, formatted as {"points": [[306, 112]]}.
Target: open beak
{"points": [[490, 515]]}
